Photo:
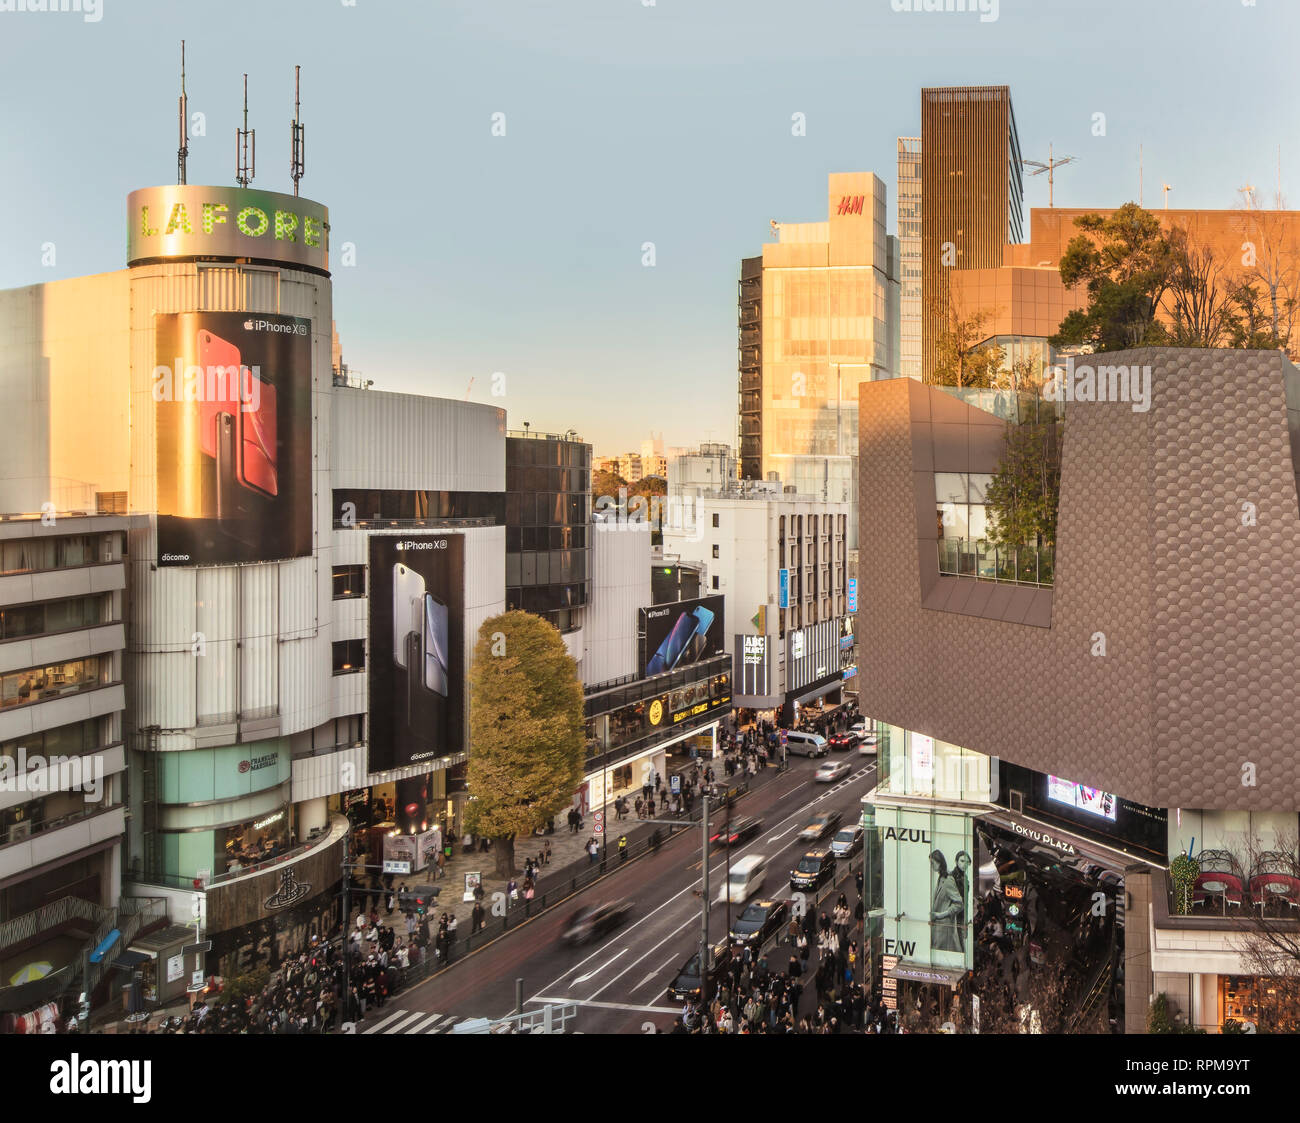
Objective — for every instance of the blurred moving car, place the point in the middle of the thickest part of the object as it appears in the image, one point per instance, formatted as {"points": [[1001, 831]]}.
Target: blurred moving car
{"points": [[820, 825], [831, 771], [593, 921], [741, 830], [842, 742]]}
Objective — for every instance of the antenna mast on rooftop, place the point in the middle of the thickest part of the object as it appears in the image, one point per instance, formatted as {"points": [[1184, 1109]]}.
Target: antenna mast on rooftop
{"points": [[1050, 168], [245, 147], [183, 152], [297, 137]]}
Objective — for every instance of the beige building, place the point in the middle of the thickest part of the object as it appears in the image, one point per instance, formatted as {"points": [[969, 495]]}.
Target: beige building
{"points": [[818, 315]]}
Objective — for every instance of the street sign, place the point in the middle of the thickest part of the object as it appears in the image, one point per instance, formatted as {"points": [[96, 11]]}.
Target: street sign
{"points": [[196, 980], [197, 949], [396, 867], [675, 785], [599, 821]]}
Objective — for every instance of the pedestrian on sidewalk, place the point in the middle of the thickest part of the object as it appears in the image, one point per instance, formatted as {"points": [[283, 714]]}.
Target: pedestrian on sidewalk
{"points": [[478, 918], [622, 848], [592, 851], [530, 888], [640, 808], [546, 853]]}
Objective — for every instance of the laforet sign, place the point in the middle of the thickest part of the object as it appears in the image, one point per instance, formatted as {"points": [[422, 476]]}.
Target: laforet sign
{"points": [[183, 221]]}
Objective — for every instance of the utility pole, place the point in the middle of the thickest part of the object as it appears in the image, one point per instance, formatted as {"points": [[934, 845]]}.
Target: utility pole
{"points": [[704, 902]]}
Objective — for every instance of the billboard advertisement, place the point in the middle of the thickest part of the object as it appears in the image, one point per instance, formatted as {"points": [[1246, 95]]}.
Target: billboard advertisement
{"points": [[233, 425], [677, 635], [416, 654], [929, 885]]}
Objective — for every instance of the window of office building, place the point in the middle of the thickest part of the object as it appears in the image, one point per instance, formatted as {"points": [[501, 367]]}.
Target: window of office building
{"points": [[39, 683], [716, 549], [52, 616], [31, 555], [349, 581], [349, 656]]}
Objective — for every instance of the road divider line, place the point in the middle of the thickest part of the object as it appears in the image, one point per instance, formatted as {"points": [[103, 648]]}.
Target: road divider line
{"points": [[598, 970], [607, 1005]]}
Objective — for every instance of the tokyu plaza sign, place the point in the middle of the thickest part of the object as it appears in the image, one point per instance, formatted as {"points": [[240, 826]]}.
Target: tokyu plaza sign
{"points": [[193, 221]]}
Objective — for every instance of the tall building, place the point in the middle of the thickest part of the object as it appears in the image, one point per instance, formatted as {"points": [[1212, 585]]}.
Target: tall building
{"points": [[814, 322], [971, 190], [909, 256]]}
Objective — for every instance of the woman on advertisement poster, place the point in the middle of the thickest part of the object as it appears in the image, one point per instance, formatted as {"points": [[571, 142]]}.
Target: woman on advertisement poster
{"points": [[947, 907]]}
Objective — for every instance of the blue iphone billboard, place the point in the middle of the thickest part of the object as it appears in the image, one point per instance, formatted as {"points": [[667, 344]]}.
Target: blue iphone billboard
{"points": [[679, 634]]}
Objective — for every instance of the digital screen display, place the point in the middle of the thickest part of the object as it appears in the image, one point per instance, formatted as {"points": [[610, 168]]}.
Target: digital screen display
{"points": [[1092, 800]]}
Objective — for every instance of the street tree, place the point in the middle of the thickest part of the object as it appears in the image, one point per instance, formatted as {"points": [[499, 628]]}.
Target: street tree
{"points": [[527, 731]]}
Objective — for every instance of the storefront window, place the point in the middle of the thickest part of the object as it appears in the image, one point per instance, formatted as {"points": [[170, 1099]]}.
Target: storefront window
{"points": [[917, 765], [258, 840]]}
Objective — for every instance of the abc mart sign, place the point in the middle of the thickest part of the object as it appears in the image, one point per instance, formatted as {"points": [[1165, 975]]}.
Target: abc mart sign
{"points": [[184, 221]]}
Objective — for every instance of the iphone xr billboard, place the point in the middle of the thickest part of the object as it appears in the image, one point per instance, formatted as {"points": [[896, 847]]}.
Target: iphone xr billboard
{"points": [[417, 640], [232, 405], [682, 633]]}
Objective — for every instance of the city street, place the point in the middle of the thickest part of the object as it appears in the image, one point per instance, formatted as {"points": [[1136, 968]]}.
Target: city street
{"points": [[619, 981]]}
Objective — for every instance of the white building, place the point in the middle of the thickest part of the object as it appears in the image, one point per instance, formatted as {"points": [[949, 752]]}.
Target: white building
{"points": [[781, 561]]}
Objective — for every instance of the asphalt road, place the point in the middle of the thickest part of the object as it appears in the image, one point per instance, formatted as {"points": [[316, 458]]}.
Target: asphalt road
{"points": [[619, 981]]}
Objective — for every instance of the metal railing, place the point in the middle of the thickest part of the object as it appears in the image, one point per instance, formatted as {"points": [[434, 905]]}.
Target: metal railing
{"points": [[976, 557], [31, 924]]}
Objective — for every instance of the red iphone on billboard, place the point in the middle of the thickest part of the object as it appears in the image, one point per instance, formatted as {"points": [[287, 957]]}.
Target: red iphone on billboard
{"points": [[228, 386], [257, 439]]}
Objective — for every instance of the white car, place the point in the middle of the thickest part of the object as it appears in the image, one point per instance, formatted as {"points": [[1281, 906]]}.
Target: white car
{"points": [[831, 771], [867, 745]]}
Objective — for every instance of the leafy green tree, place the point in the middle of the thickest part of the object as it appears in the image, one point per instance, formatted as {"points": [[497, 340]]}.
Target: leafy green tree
{"points": [[605, 482], [527, 731], [1126, 261], [1023, 495], [965, 357]]}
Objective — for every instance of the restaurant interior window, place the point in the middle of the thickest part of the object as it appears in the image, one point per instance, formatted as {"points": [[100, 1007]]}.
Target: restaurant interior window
{"points": [[349, 656], [349, 581]]}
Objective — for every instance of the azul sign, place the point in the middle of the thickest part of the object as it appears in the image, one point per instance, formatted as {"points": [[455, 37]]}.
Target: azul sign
{"points": [[182, 221]]}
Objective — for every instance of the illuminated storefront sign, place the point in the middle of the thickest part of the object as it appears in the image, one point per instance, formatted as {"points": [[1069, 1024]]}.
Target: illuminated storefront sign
{"points": [[179, 220]]}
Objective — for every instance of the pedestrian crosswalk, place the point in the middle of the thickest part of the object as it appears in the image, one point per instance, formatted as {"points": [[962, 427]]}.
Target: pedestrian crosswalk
{"points": [[407, 1021]]}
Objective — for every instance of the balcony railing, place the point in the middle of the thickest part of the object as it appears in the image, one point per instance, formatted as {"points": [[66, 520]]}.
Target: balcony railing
{"points": [[976, 557]]}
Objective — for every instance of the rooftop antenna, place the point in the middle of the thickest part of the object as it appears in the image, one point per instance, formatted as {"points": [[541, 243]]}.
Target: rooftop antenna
{"points": [[297, 137], [1050, 168], [245, 147], [1139, 175], [183, 152], [1166, 189], [1247, 193]]}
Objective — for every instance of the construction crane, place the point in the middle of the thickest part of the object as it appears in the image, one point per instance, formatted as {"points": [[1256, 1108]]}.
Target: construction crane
{"points": [[1050, 168]]}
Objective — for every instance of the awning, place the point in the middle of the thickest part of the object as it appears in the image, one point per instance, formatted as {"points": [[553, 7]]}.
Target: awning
{"points": [[130, 960], [102, 949], [924, 973]]}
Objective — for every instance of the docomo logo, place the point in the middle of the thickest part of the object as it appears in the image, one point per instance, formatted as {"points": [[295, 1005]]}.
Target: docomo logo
{"points": [[223, 385], [988, 9]]}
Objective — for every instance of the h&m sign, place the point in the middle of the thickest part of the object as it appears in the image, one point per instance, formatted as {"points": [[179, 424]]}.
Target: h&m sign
{"points": [[850, 204]]}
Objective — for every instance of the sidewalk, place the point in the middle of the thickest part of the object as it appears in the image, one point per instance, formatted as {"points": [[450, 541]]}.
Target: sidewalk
{"points": [[568, 857]]}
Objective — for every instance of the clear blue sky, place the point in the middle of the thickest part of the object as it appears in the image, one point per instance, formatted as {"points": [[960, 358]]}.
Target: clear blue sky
{"points": [[625, 123]]}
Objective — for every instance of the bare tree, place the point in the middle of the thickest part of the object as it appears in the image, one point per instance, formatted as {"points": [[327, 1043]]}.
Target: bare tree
{"points": [[1199, 297], [1271, 260]]}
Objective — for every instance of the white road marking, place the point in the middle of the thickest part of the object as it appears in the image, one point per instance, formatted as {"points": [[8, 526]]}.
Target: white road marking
{"points": [[597, 971], [424, 1024], [378, 1027], [608, 1005]]}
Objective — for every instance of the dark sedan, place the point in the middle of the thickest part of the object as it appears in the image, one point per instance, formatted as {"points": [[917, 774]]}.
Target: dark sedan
{"points": [[842, 742], [594, 921], [686, 986], [759, 922]]}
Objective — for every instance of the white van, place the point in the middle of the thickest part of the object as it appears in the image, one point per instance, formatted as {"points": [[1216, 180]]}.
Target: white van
{"points": [[806, 744], [746, 879]]}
